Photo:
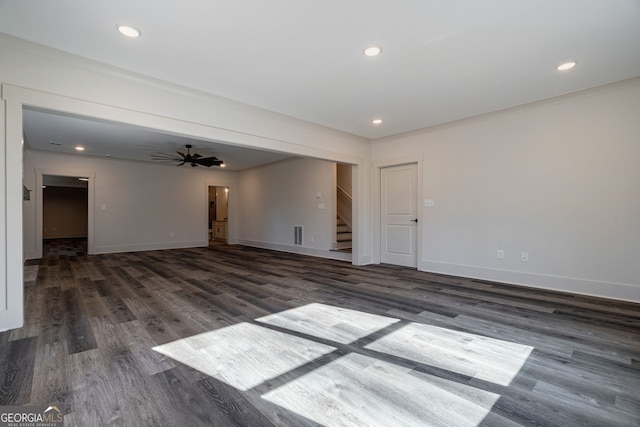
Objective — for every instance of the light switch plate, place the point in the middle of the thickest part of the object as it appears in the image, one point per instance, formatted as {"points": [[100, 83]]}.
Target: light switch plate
{"points": [[429, 203]]}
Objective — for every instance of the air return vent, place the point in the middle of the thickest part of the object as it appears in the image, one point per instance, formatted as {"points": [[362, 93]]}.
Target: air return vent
{"points": [[297, 234]]}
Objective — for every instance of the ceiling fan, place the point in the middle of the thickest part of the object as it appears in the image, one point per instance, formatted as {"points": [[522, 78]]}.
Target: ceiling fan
{"points": [[192, 159]]}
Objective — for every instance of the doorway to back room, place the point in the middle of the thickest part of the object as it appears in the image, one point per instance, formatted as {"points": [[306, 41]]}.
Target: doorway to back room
{"points": [[218, 214], [65, 201]]}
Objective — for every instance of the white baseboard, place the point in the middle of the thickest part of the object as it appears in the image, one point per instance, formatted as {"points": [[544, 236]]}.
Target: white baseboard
{"points": [[321, 253], [364, 260], [148, 247], [611, 290]]}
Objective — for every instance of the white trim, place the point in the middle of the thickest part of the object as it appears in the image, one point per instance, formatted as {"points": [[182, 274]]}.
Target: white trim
{"points": [[357, 215], [11, 253], [301, 250], [3, 214], [155, 246], [617, 291]]}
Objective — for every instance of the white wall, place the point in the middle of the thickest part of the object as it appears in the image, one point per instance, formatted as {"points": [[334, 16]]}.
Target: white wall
{"points": [[559, 179], [147, 206], [46, 78], [272, 199]]}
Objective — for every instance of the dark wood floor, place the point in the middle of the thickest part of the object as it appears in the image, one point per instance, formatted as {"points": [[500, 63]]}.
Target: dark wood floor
{"points": [[92, 321]]}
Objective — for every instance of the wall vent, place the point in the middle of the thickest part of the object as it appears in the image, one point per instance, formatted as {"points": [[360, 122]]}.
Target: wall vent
{"points": [[297, 235]]}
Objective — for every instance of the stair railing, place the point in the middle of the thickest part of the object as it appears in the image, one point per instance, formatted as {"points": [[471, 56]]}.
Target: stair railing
{"points": [[345, 202]]}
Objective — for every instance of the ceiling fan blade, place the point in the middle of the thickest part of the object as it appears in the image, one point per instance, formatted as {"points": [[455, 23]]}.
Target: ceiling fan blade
{"points": [[192, 159], [165, 157], [209, 161]]}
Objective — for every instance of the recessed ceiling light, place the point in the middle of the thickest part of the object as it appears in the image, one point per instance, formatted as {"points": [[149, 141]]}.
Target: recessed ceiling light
{"points": [[83, 179], [79, 148], [372, 50], [566, 66], [129, 31], [222, 165], [376, 121]]}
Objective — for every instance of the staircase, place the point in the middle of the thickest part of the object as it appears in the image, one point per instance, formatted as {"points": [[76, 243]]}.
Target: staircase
{"points": [[343, 235], [344, 202]]}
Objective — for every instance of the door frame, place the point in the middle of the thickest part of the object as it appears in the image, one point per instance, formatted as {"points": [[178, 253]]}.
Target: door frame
{"points": [[376, 177]]}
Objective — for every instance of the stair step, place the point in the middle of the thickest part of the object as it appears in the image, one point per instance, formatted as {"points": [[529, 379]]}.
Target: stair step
{"points": [[344, 237], [344, 245], [343, 234]]}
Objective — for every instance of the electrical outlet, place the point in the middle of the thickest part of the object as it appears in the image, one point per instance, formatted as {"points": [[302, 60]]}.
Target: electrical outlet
{"points": [[525, 256], [500, 253], [171, 234]]}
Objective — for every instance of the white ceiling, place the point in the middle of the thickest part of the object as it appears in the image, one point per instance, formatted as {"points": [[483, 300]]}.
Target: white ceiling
{"points": [[441, 60], [61, 133]]}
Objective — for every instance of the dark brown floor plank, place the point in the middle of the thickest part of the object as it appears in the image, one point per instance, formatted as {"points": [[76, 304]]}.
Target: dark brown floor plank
{"points": [[78, 330], [16, 370]]}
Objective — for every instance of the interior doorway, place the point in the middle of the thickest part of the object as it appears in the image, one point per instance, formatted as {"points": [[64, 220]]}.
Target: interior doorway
{"points": [[218, 214], [65, 215], [344, 208]]}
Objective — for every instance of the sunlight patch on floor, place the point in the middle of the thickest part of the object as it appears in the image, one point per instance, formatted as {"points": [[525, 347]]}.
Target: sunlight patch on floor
{"points": [[244, 355], [332, 323], [484, 358], [357, 390]]}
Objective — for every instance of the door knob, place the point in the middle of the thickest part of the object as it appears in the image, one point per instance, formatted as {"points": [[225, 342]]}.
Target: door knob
{"points": [[415, 220]]}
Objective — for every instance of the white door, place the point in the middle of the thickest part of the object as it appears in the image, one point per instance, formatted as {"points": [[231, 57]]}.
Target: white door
{"points": [[399, 220]]}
